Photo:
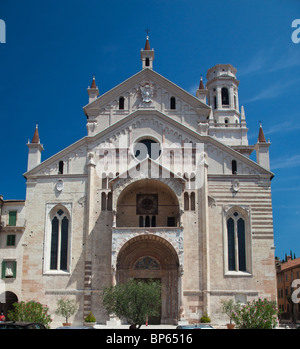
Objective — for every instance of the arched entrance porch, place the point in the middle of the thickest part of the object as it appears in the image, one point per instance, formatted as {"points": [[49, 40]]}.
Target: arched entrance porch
{"points": [[149, 256], [9, 299]]}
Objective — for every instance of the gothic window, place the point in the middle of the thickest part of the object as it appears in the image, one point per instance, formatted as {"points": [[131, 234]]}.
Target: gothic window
{"points": [[236, 242], [59, 241], [231, 243], [234, 167], [225, 96], [121, 103], [172, 103]]}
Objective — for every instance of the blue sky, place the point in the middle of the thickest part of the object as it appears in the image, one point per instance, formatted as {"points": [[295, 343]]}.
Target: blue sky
{"points": [[53, 48]]}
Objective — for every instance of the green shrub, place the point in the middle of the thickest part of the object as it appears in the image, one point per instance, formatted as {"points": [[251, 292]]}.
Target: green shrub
{"points": [[259, 314], [90, 317], [205, 319], [31, 311]]}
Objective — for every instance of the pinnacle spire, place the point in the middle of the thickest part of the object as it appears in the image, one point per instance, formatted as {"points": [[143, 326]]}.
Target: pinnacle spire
{"points": [[36, 137], [261, 136], [93, 90], [201, 85], [147, 44], [93, 84]]}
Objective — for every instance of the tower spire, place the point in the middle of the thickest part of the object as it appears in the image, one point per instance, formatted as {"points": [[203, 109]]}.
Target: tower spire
{"points": [[36, 137], [262, 149], [93, 90], [147, 45], [35, 149], [147, 55], [261, 136], [202, 92]]}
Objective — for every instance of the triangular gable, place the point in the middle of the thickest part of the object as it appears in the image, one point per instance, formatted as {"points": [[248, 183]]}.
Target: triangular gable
{"points": [[189, 135], [145, 74]]}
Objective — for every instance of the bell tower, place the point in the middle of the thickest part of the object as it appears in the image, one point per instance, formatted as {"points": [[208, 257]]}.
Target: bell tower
{"points": [[222, 88], [226, 122], [147, 55]]}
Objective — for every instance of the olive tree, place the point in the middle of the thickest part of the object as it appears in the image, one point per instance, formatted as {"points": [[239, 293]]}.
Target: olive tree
{"points": [[133, 300]]}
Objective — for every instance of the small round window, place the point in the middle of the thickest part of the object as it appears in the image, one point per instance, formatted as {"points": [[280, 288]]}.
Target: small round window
{"points": [[147, 147]]}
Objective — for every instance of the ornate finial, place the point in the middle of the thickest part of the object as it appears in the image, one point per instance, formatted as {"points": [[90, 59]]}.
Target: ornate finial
{"points": [[147, 31]]}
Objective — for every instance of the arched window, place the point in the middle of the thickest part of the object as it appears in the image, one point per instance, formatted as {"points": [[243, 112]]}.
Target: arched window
{"points": [[121, 103], [231, 244], [153, 221], [141, 221], [104, 181], [225, 96], [226, 122], [147, 62], [147, 147], [59, 241], [109, 201], [193, 206], [61, 167], [172, 103], [147, 221], [186, 201], [103, 201], [234, 167], [236, 242]]}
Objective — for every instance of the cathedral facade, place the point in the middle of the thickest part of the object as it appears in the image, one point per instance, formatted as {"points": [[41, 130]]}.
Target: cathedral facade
{"points": [[162, 187]]}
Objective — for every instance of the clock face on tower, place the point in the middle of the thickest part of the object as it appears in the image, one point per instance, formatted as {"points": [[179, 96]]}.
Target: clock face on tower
{"points": [[147, 204]]}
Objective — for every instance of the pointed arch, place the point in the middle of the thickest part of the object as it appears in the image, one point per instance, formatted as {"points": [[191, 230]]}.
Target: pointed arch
{"points": [[59, 239], [225, 96], [238, 240]]}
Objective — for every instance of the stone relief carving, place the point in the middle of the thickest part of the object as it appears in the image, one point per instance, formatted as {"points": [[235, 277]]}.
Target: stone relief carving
{"points": [[235, 185], [121, 235], [59, 185], [147, 92]]}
